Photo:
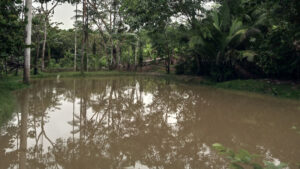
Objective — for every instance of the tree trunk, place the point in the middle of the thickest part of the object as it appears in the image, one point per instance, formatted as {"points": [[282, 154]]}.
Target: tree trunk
{"points": [[44, 41], [87, 52], [35, 72], [26, 76], [136, 53], [87, 37], [75, 52], [168, 63], [111, 53], [118, 50], [84, 36]]}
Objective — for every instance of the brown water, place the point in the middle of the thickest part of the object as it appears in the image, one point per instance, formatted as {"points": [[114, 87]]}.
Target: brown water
{"points": [[144, 122]]}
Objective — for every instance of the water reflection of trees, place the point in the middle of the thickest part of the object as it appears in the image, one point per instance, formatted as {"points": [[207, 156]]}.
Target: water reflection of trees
{"points": [[120, 121]]}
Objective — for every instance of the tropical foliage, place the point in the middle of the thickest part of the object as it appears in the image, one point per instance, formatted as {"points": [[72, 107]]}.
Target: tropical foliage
{"points": [[220, 39], [244, 159]]}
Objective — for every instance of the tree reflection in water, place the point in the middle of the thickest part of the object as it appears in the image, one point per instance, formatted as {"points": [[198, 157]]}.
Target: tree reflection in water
{"points": [[123, 122]]}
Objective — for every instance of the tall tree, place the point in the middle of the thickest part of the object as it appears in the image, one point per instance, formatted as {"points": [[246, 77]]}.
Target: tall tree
{"points": [[26, 77], [36, 21], [85, 32], [46, 14], [75, 46], [109, 20]]}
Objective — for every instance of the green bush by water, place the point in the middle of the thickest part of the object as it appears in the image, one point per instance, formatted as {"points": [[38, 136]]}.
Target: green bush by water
{"points": [[244, 159]]}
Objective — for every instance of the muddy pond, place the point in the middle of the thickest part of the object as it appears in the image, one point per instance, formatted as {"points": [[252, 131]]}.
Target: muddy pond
{"points": [[134, 122]]}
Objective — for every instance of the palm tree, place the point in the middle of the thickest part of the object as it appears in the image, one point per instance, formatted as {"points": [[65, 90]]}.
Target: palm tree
{"points": [[220, 38]]}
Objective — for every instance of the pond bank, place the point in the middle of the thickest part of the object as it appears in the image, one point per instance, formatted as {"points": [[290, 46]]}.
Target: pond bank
{"points": [[283, 89], [263, 86]]}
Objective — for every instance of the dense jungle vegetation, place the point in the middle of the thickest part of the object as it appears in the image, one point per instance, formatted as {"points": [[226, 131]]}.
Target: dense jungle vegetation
{"points": [[251, 45], [224, 40]]}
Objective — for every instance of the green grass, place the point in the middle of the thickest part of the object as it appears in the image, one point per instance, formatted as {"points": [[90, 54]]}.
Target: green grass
{"points": [[282, 90], [286, 90], [7, 99]]}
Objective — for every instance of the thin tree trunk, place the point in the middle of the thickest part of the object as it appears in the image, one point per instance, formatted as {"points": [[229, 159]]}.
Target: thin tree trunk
{"points": [[87, 37], [136, 53], [118, 50], [45, 40], [111, 40], [168, 61], [26, 76], [87, 56], [111, 53], [87, 53], [84, 36], [140, 53], [75, 52], [35, 72], [82, 56]]}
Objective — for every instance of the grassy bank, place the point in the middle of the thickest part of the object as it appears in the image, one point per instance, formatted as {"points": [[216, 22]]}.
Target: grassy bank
{"points": [[7, 99], [78, 74], [282, 89], [269, 87], [275, 88]]}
